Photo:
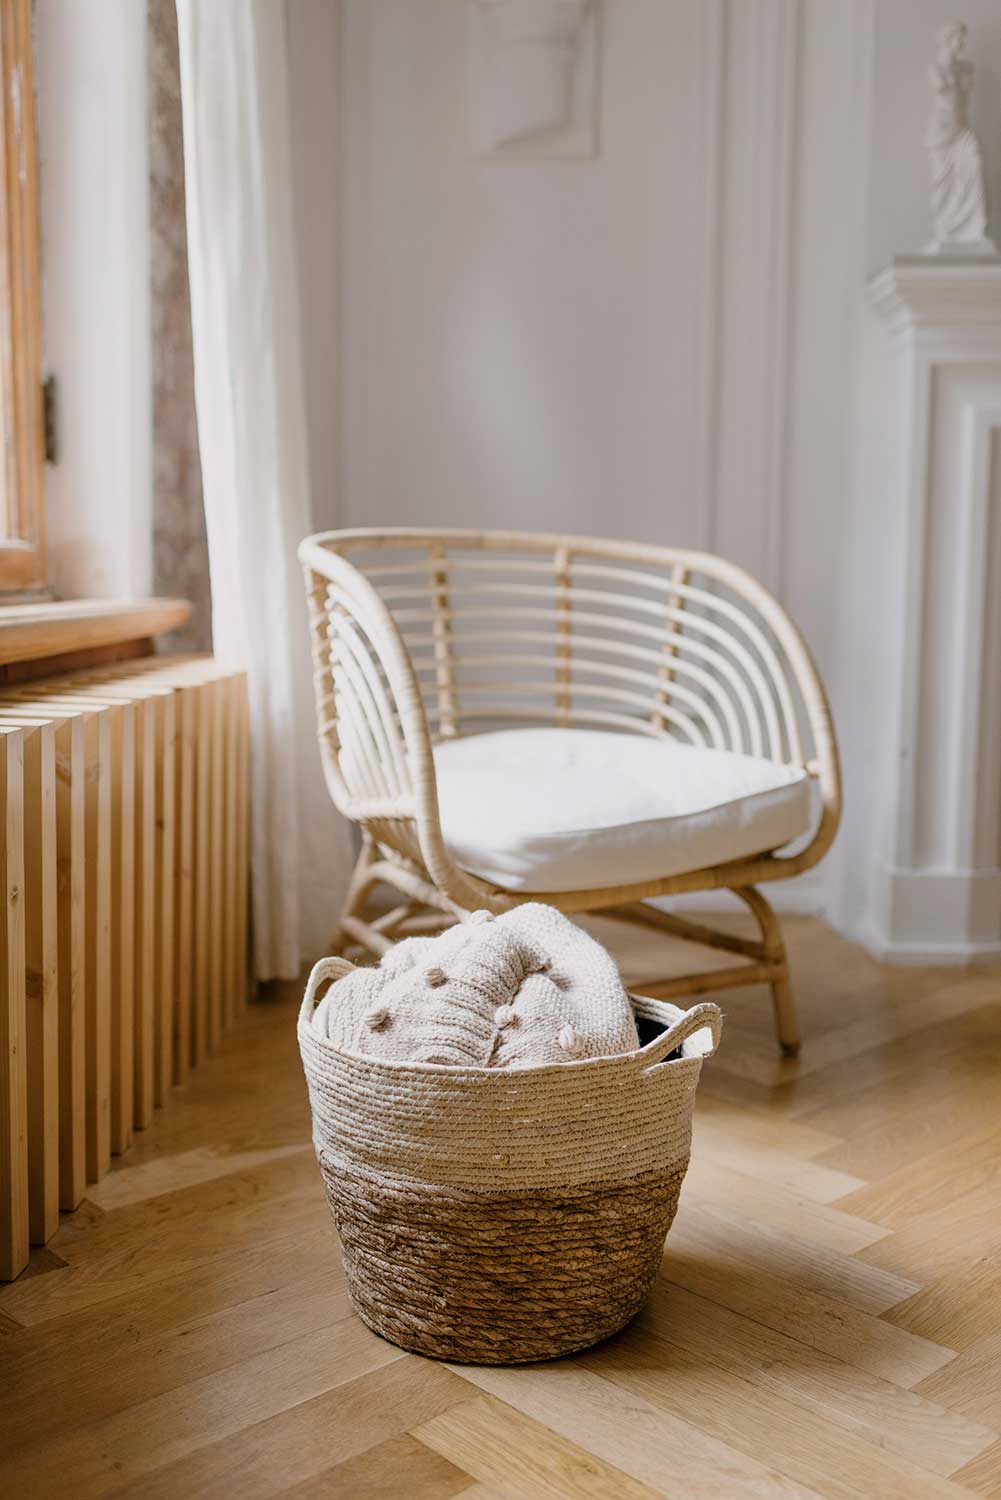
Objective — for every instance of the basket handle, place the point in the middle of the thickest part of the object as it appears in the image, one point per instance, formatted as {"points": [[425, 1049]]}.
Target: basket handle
{"points": [[679, 1028], [323, 969]]}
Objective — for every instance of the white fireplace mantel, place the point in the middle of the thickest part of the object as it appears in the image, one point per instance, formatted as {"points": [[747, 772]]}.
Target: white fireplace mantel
{"points": [[937, 885], [933, 303]]}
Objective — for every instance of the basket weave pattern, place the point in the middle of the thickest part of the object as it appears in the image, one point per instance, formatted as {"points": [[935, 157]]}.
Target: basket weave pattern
{"points": [[521, 1278], [500, 1217]]}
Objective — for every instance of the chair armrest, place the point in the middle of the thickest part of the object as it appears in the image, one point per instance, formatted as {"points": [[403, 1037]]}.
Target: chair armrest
{"points": [[375, 744]]}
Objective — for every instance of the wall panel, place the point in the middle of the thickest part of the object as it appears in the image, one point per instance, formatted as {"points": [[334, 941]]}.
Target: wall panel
{"points": [[655, 344]]}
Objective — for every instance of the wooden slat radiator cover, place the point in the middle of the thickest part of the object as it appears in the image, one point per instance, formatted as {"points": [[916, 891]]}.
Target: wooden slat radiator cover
{"points": [[123, 914]]}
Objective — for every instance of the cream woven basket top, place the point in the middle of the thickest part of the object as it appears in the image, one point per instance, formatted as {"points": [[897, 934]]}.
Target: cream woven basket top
{"points": [[502, 1055]]}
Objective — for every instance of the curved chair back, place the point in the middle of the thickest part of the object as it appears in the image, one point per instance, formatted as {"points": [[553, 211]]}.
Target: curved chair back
{"points": [[421, 635]]}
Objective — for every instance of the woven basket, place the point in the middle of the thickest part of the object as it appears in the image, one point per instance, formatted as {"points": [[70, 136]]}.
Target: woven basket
{"points": [[495, 1216]]}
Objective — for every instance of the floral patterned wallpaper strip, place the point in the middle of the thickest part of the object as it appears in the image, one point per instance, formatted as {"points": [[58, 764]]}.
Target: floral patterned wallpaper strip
{"points": [[180, 554]]}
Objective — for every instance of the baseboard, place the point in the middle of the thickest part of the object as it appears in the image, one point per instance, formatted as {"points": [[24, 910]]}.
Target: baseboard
{"points": [[924, 954], [933, 916]]}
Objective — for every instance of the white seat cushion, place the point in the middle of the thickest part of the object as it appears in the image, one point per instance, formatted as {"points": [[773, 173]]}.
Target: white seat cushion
{"points": [[573, 809]]}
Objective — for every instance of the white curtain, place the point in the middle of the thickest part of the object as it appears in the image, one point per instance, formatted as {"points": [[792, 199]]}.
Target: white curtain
{"points": [[252, 438]]}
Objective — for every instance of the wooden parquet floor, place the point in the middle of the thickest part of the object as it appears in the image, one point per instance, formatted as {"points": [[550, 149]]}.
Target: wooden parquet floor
{"points": [[827, 1321]]}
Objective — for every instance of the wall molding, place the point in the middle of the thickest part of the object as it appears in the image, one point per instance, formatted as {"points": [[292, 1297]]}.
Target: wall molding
{"points": [[757, 293], [936, 891], [936, 304], [712, 91]]}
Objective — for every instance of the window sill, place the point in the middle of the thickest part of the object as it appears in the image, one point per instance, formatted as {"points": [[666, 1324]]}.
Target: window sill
{"points": [[32, 632]]}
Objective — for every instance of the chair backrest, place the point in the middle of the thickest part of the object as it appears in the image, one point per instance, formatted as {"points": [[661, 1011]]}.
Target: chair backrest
{"points": [[422, 635]]}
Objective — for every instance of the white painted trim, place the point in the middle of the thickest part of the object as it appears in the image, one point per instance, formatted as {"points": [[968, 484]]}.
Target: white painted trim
{"points": [[982, 421], [932, 898], [939, 301], [760, 110], [712, 88], [915, 418], [782, 289], [94, 216], [924, 954], [946, 912]]}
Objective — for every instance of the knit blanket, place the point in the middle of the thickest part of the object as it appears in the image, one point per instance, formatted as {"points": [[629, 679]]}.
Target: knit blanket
{"points": [[520, 990]]}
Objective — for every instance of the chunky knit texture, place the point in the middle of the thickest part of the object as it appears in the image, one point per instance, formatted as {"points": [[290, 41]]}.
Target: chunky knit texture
{"points": [[520, 990]]}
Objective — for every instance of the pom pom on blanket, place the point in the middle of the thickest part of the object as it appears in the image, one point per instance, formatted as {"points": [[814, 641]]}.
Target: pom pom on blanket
{"points": [[520, 990]]}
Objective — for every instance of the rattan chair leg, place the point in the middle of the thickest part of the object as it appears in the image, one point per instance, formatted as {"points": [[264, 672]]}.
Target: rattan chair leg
{"points": [[769, 962], [783, 1004], [361, 883], [786, 1019]]}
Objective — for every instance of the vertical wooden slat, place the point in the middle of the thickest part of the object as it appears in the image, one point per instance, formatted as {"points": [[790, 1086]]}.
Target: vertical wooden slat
{"points": [[220, 768], [123, 955], [110, 690], [243, 834], [162, 680], [122, 685], [184, 837], [71, 894], [40, 963], [98, 905], [145, 950], [108, 1044], [203, 883], [217, 850], [33, 706], [166, 720], [218, 943], [41, 979], [230, 772], [13, 1046], [97, 803], [99, 900], [209, 840]]}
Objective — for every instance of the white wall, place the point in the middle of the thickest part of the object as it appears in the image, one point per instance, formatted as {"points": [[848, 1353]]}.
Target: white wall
{"points": [[91, 85], [655, 344], [670, 342]]}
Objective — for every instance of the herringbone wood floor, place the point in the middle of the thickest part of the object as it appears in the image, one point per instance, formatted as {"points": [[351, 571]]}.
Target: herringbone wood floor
{"points": [[827, 1321]]}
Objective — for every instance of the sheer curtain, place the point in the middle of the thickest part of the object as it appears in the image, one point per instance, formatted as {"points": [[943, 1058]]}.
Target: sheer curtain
{"points": [[249, 395]]}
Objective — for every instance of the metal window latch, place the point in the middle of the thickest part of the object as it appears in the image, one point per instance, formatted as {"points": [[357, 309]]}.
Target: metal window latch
{"points": [[49, 420]]}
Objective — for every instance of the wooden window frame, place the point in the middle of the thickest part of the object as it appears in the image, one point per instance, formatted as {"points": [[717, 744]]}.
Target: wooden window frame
{"points": [[22, 547]]}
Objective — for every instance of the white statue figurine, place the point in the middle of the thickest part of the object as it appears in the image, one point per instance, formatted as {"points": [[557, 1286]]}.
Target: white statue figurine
{"points": [[958, 204]]}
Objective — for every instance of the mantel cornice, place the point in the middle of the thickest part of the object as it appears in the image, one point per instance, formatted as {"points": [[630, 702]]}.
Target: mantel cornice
{"points": [[940, 301]]}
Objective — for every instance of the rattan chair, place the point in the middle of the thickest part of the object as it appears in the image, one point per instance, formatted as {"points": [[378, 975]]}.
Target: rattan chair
{"points": [[424, 639]]}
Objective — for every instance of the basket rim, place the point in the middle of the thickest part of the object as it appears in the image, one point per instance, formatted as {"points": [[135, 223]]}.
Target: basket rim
{"points": [[692, 1050]]}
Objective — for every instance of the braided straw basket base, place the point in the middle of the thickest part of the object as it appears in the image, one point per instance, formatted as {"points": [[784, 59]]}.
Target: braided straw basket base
{"points": [[499, 1278]]}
